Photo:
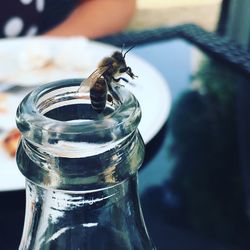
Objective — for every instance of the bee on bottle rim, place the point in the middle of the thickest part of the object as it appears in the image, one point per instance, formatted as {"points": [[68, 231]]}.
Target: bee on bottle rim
{"points": [[102, 83]]}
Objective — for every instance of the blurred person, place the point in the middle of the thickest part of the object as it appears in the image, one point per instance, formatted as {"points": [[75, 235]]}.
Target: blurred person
{"points": [[90, 18]]}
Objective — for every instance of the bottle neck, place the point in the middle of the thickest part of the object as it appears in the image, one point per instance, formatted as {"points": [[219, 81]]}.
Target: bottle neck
{"points": [[115, 164], [57, 219]]}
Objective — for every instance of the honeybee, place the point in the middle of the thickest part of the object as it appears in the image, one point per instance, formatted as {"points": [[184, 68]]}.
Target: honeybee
{"points": [[106, 78]]}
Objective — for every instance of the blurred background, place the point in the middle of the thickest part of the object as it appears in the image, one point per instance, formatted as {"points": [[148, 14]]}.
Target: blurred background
{"points": [[228, 18], [155, 13]]}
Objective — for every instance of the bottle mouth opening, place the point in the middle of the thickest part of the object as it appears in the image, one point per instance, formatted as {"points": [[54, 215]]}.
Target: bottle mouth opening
{"points": [[58, 112], [68, 105]]}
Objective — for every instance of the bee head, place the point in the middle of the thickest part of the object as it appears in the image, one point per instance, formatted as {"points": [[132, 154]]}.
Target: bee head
{"points": [[118, 56]]}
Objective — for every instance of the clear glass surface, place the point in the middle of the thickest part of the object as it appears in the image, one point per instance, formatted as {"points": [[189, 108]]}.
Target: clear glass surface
{"points": [[81, 170]]}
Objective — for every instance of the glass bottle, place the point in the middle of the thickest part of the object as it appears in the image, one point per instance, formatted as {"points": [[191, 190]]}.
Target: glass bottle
{"points": [[81, 170]]}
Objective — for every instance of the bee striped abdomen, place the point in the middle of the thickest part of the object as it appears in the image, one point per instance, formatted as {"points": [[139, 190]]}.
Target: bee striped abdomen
{"points": [[98, 95]]}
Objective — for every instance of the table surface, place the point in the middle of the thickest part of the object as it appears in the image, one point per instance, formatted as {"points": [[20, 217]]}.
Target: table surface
{"points": [[194, 182]]}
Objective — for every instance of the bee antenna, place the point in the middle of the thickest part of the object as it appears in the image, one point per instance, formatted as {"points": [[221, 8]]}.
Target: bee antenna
{"points": [[123, 46], [128, 50]]}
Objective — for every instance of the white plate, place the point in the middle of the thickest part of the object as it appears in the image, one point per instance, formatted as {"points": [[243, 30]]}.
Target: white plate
{"points": [[150, 87]]}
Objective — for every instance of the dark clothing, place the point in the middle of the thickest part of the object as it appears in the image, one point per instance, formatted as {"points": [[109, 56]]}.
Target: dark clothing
{"points": [[31, 17]]}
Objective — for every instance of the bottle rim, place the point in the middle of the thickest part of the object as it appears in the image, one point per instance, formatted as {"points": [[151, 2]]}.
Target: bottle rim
{"points": [[35, 126]]}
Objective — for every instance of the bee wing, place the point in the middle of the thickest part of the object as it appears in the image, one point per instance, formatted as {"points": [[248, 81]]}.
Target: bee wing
{"points": [[88, 83]]}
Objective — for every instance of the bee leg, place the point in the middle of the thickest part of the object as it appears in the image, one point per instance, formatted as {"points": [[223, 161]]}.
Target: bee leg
{"points": [[113, 93], [110, 99], [119, 79], [128, 70], [124, 79], [130, 73]]}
